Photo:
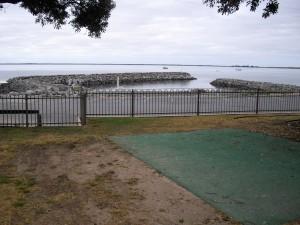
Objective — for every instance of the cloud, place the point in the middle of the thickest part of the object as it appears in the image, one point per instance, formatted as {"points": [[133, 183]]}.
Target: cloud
{"points": [[156, 31]]}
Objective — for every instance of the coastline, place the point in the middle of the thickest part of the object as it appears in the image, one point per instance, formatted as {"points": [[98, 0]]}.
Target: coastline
{"points": [[203, 74], [63, 84], [66, 84]]}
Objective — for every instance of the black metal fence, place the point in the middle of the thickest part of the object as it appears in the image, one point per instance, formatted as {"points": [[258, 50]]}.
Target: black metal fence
{"points": [[189, 102], [28, 111]]}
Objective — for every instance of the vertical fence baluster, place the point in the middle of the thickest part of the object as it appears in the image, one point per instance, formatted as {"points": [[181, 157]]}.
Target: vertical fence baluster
{"points": [[257, 102], [198, 102], [83, 106], [26, 109], [132, 103]]}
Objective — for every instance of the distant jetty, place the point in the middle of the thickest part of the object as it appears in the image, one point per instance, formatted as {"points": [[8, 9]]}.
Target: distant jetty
{"points": [[62, 84], [253, 85]]}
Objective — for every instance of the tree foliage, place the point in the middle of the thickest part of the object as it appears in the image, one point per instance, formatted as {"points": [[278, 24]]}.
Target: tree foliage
{"points": [[92, 15], [231, 6]]}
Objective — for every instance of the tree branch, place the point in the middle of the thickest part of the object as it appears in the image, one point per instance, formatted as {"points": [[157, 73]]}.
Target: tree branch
{"points": [[10, 1]]}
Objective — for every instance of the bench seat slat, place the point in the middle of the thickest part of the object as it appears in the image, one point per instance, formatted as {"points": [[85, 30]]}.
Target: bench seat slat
{"points": [[17, 111]]}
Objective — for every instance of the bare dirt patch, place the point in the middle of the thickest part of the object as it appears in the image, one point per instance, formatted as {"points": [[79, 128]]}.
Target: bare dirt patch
{"points": [[100, 184]]}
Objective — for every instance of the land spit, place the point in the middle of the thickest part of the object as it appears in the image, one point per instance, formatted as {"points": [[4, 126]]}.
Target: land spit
{"points": [[62, 84], [253, 85]]}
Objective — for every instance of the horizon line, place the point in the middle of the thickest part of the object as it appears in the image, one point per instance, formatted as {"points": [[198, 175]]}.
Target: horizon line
{"points": [[150, 64]]}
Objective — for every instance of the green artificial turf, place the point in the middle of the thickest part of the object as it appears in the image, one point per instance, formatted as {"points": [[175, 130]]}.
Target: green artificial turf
{"points": [[252, 177]]}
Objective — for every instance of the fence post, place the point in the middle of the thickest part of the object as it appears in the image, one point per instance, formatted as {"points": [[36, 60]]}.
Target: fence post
{"points": [[257, 101], [83, 100], [26, 109], [198, 102], [132, 103]]}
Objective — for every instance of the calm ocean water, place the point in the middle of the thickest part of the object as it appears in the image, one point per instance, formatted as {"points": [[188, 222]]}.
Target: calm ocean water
{"points": [[204, 75]]}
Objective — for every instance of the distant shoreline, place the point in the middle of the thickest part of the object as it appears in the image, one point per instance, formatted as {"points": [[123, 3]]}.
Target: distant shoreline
{"points": [[154, 64]]}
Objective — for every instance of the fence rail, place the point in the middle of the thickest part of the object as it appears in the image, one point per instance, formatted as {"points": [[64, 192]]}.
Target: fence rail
{"points": [[28, 111]]}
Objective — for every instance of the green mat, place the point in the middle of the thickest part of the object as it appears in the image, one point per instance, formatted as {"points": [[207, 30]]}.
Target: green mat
{"points": [[252, 177]]}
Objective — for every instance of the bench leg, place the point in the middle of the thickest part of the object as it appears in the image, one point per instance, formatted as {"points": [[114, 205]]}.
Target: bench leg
{"points": [[39, 120]]}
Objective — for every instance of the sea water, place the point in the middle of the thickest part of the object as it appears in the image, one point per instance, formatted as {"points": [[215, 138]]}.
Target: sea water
{"points": [[204, 74]]}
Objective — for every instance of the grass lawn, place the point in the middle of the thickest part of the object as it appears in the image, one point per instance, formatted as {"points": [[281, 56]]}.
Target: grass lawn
{"points": [[21, 188]]}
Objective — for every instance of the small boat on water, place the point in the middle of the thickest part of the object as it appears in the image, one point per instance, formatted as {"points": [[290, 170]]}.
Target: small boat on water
{"points": [[165, 68]]}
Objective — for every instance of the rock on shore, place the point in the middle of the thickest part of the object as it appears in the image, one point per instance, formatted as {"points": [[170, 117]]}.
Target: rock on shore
{"points": [[253, 85], [61, 84]]}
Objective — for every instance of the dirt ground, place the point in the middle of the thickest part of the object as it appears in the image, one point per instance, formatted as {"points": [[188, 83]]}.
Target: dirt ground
{"points": [[94, 182], [97, 183]]}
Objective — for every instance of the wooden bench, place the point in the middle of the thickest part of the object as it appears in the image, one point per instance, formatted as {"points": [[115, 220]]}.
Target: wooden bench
{"points": [[26, 112]]}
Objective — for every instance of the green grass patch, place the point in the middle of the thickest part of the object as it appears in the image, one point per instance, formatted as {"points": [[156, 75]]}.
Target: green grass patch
{"points": [[19, 203], [24, 184], [4, 179], [11, 138]]}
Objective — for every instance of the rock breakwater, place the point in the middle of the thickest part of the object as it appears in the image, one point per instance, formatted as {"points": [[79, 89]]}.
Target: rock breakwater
{"points": [[62, 84], [253, 85]]}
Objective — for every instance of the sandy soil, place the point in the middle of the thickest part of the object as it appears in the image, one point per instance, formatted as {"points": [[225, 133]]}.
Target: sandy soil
{"points": [[98, 183]]}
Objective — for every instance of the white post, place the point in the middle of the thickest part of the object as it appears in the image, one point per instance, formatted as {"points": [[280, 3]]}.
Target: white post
{"points": [[118, 82]]}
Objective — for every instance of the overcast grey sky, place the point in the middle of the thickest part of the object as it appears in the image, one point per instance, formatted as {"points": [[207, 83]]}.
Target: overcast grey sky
{"points": [[160, 31]]}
